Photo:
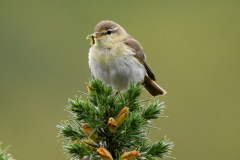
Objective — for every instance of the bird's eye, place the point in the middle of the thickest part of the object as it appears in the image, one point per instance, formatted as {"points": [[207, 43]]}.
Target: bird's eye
{"points": [[109, 32]]}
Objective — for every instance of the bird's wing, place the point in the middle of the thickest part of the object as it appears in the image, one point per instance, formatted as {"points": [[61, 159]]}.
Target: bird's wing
{"points": [[139, 54]]}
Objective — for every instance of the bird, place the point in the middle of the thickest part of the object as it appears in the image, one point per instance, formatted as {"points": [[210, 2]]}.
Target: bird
{"points": [[118, 59]]}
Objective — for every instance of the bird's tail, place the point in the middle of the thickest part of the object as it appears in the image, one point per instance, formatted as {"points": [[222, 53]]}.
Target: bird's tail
{"points": [[152, 87]]}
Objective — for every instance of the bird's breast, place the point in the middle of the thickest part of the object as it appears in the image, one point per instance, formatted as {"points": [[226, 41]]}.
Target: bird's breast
{"points": [[116, 66]]}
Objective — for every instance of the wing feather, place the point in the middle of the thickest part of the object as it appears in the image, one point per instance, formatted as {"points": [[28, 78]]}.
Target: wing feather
{"points": [[139, 54]]}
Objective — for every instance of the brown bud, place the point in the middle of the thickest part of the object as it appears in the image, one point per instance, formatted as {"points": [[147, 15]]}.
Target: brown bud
{"points": [[87, 142], [122, 116], [89, 88], [130, 155], [88, 130], [104, 154], [112, 125]]}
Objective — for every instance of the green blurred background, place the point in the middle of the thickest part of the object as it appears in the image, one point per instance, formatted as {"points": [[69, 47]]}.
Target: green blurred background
{"points": [[192, 46]]}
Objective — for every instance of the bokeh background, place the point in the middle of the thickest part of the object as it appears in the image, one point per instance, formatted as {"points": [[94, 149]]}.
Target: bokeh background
{"points": [[192, 46]]}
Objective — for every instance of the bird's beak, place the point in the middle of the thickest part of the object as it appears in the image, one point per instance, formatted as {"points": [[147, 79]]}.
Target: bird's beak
{"points": [[94, 35]]}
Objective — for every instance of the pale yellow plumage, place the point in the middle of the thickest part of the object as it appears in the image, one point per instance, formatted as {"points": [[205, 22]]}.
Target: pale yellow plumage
{"points": [[117, 58]]}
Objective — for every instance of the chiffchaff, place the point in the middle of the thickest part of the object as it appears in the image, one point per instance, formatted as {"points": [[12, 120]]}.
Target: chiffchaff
{"points": [[117, 58]]}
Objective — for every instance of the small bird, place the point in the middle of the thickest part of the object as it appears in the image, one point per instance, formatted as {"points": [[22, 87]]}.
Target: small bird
{"points": [[117, 58]]}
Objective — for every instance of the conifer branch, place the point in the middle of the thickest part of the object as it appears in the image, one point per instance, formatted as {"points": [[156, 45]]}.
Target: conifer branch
{"points": [[105, 125], [4, 155]]}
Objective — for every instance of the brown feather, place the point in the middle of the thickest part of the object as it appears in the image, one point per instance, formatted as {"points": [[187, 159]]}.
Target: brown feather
{"points": [[137, 48], [149, 71], [152, 87]]}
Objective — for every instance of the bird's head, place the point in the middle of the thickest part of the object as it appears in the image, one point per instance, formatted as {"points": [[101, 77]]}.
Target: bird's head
{"points": [[107, 33]]}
